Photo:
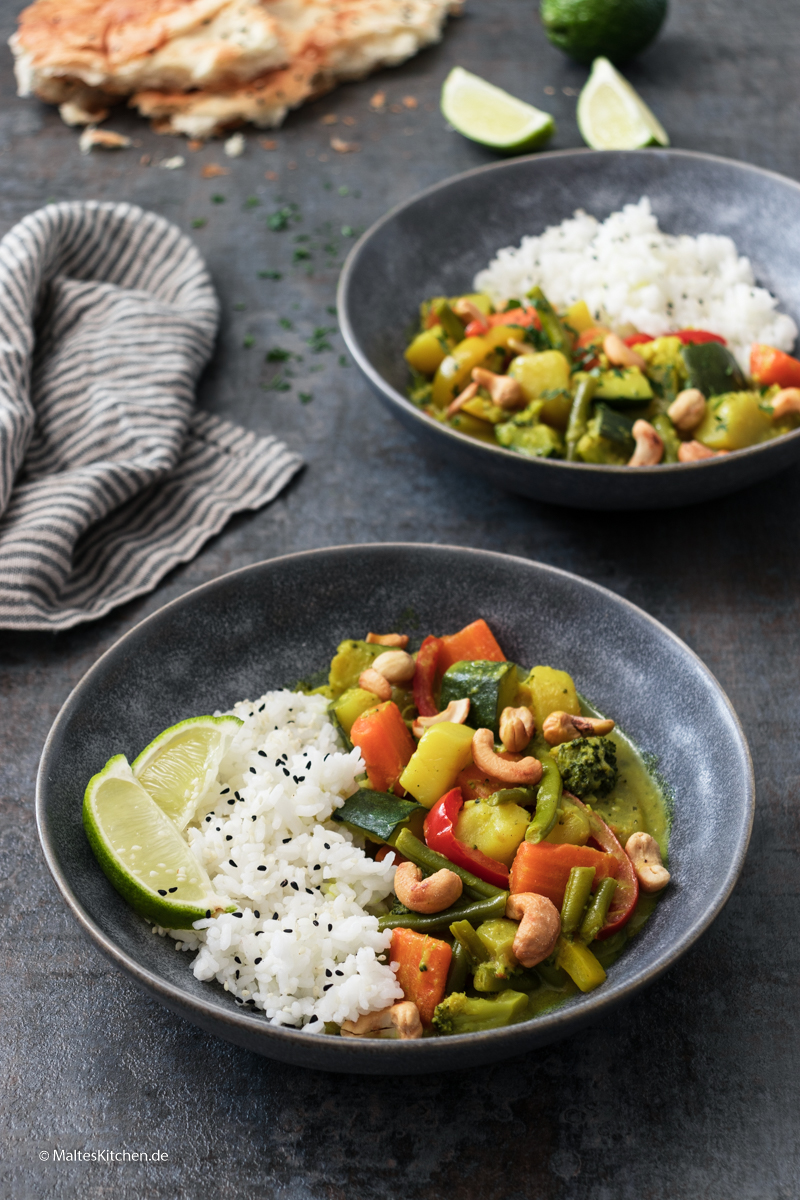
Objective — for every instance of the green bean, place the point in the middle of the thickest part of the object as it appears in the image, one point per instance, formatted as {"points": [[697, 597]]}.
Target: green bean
{"points": [[474, 948], [552, 328], [579, 414], [578, 889], [415, 850], [548, 799], [666, 431], [458, 975], [485, 909], [595, 918], [450, 323]]}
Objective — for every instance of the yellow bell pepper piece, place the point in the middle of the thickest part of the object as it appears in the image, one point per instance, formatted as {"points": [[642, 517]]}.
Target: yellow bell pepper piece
{"points": [[578, 317], [443, 751], [580, 964]]}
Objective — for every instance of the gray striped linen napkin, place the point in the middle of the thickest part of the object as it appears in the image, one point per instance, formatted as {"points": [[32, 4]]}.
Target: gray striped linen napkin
{"points": [[109, 476]]}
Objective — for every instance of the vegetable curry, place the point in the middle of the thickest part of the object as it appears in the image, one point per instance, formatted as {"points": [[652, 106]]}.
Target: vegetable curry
{"points": [[557, 385], [528, 833]]}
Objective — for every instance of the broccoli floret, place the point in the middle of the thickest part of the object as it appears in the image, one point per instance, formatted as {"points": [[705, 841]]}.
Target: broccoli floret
{"points": [[469, 1014], [588, 766]]}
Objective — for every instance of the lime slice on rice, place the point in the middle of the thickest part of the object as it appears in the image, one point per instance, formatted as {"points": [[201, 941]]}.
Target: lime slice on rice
{"points": [[486, 114], [142, 853], [179, 768], [611, 116]]}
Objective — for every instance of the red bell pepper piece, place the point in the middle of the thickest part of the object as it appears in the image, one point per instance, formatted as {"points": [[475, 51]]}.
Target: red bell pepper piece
{"points": [[524, 317], [627, 892], [637, 339], [425, 675], [440, 825], [687, 336], [768, 366]]}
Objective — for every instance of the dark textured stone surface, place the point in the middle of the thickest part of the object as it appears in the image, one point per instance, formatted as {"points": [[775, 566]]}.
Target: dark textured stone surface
{"points": [[693, 1090]]}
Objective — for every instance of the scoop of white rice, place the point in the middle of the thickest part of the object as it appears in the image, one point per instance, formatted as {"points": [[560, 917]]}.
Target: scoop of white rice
{"points": [[629, 272], [301, 945]]}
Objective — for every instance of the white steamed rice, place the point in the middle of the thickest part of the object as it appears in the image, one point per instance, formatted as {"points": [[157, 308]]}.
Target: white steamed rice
{"points": [[301, 946], [629, 272]]}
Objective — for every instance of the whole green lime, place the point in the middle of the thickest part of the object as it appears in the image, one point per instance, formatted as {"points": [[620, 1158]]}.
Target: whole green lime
{"points": [[616, 29]]}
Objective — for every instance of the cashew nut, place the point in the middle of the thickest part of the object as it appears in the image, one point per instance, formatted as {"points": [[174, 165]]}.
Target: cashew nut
{"points": [[687, 409], [525, 771], [694, 452], [539, 926], [564, 727], [468, 311], [469, 393], [395, 665], [643, 851], [387, 639], [456, 713], [404, 1017], [372, 681], [429, 895], [649, 446], [516, 728], [505, 391], [620, 355], [786, 401]]}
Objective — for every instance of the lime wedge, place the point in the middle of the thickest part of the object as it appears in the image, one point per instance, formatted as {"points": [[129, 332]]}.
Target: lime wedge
{"points": [[180, 766], [142, 853], [486, 114], [612, 117]]}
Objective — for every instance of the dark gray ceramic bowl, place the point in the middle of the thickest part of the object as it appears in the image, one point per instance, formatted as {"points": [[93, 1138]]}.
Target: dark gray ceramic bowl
{"points": [[434, 244], [268, 624]]}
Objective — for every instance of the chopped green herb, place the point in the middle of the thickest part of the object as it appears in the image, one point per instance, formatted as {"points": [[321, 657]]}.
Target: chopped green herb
{"points": [[282, 218], [348, 231], [198, 222], [301, 254], [343, 361], [331, 248], [269, 275], [344, 190], [331, 309], [302, 237], [217, 198], [239, 306], [306, 397], [327, 185], [252, 202], [278, 384], [278, 354], [285, 323], [319, 339], [248, 340]]}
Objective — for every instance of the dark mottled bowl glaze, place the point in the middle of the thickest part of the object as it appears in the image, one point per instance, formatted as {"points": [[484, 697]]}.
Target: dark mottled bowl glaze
{"points": [[434, 244], [269, 624]]}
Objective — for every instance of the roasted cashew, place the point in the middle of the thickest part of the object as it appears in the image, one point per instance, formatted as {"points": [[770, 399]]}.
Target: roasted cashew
{"points": [[516, 728], [387, 639], [694, 452], [564, 727], [505, 391], [469, 393], [456, 713], [525, 771], [786, 401], [468, 311], [404, 1016], [649, 445], [620, 355], [395, 665], [539, 926], [687, 409], [372, 681], [643, 851], [429, 895]]}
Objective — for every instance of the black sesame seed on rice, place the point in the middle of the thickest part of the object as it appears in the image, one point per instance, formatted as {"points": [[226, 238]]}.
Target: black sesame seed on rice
{"points": [[338, 972], [253, 771], [224, 791], [315, 922], [256, 913], [284, 882], [256, 961], [237, 915], [287, 931], [286, 772], [237, 959], [313, 1018], [261, 707], [228, 837], [274, 916], [317, 867], [295, 885], [262, 753], [162, 892], [230, 860], [330, 928], [285, 840], [208, 912], [236, 975], [231, 801], [309, 891], [171, 890], [261, 868], [327, 985], [208, 818], [328, 972]]}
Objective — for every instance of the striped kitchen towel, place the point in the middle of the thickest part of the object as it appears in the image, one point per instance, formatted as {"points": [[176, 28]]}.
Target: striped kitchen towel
{"points": [[109, 476]]}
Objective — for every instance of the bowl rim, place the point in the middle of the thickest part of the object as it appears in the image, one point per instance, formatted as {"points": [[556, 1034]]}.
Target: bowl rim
{"points": [[500, 452], [375, 1055]]}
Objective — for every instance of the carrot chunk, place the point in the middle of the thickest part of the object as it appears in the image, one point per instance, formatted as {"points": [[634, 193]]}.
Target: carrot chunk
{"points": [[474, 643], [422, 971], [544, 868], [385, 744]]}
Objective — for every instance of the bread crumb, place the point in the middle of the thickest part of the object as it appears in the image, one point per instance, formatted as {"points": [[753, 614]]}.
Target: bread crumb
{"points": [[234, 146], [378, 102], [212, 170], [195, 144], [105, 139], [173, 164], [342, 147], [269, 144], [271, 175], [409, 101], [329, 119]]}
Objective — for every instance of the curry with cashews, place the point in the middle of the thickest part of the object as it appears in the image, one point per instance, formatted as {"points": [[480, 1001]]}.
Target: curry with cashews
{"points": [[529, 834], [553, 384]]}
